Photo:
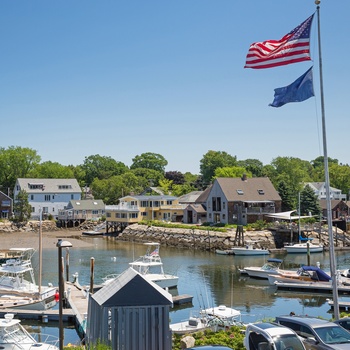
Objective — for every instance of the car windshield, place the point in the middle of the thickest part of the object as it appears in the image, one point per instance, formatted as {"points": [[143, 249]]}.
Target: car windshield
{"points": [[288, 341], [333, 335]]}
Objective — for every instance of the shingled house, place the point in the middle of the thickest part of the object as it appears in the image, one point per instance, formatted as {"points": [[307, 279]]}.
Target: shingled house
{"points": [[241, 200]]}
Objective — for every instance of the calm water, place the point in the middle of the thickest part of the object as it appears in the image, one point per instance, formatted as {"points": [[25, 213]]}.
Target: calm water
{"points": [[210, 278]]}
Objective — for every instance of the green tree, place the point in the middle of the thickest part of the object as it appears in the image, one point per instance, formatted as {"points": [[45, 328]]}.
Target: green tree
{"points": [[318, 167], [254, 166], [101, 167], [149, 161], [339, 177], [309, 202], [233, 171], [50, 170], [286, 194], [16, 162], [152, 176], [166, 186], [213, 160], [21, 208], [293, 171]]}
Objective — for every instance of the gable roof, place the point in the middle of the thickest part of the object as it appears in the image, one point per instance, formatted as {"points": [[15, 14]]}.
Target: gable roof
{"points": [[198, 208], [254, 189], [49, 185], [334, 203], [130, 288], [204, 195], [86, 204]]}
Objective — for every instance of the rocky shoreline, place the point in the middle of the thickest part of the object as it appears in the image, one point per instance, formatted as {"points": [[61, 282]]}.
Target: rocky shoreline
{"points": [[190, 238]]}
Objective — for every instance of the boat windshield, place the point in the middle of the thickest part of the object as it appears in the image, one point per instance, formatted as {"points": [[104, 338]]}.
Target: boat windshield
{"points": [[288, 341]]}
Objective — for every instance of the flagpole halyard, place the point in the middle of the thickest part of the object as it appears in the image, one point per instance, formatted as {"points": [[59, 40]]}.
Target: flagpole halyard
{"points": [[327, 185]]}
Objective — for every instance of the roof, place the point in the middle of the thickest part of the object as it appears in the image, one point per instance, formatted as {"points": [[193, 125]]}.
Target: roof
{"points": [[131, 289], [198, 208], [204, 196], [50, 185], [190, 197], [253, 189], [86, 204], [149, 197], [334, 203]]}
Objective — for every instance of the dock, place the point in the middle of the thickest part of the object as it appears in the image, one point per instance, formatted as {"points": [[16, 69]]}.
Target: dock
{"points": [[345, 305], [76, 311]]}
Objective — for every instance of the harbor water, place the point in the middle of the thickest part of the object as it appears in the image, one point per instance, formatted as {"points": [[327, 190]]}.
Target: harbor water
{"points": [[210, 278]]}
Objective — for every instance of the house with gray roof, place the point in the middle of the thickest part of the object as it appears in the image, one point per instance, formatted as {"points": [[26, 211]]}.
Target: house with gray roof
{"points": [[241, 200], [78, 211], [48, 195]]}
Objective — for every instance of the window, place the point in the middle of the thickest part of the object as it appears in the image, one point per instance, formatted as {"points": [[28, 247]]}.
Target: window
{"points": [[108, 215], [144, 204], [95, 212], [133, 215], [32, 197], [72, 196], [261, 192], [47, 197], [169, 202], [64, 187], [224, 205], [144, 213], [240, 192]]}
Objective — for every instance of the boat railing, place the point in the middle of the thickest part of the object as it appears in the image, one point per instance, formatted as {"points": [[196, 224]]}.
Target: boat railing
{"points": [[49, 339]]}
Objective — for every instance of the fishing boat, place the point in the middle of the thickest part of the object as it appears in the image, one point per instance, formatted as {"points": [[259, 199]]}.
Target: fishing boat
{"points": [[14, 337], [150, 266], [18, 287], [92, 233], [271, 267], [249, 250]]}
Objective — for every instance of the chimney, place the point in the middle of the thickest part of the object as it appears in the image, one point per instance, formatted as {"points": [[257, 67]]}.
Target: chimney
{"points": [[244, 177]]}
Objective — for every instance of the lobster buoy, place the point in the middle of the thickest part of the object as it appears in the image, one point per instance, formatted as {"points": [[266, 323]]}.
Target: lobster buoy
{"points": [[57, 296]]}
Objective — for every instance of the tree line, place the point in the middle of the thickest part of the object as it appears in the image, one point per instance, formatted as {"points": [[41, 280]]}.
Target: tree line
{"points": [[109, 179]]}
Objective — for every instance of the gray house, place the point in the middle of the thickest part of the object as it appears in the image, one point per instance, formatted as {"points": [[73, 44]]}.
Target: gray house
{"points": [[5, 206], [130, 313], [241, 200]]}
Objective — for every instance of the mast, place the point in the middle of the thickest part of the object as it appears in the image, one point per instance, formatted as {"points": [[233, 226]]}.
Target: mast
{"points": [[326, 171]]}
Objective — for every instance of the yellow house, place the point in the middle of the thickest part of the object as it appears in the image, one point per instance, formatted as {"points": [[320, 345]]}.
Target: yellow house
{"points": [[133, 209]]}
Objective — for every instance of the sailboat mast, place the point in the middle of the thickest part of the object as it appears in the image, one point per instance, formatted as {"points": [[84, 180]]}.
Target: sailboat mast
{"points": [[326, 171]]}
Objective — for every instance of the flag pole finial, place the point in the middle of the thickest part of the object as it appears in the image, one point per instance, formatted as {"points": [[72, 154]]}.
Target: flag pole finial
{"points": [[317, 2]]}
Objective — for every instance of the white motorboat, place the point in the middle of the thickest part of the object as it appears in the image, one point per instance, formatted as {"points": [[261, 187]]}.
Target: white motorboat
{"points": [[271, 267], [211, 318], [151, 267], [303, 248], [18, 287], [14, 337], [249, 250]]}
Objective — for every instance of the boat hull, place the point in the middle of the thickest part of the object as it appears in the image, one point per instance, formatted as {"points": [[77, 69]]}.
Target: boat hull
{"points": [[249, 251], [302, 248]]}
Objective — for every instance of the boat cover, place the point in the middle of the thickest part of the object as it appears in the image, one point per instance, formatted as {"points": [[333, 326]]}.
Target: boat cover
{"points": [[321, 275]]}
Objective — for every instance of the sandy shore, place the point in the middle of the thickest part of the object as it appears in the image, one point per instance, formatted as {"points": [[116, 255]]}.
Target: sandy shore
{"points": [[49, 239]]}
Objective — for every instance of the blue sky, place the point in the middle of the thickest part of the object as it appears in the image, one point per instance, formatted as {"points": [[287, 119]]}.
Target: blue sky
{"points": [[121, 78]]}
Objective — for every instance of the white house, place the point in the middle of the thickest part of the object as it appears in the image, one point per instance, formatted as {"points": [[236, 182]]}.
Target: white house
{"points": [[48, 195], [320, 190]]}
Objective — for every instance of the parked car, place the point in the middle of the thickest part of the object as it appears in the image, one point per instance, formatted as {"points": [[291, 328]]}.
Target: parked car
{"points": [[317, 334], [344, 322], [271, 336], [209, 347]]}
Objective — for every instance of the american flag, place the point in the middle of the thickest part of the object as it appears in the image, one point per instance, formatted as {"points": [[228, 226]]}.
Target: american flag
{"points": [[155, 251], [293, 47]]}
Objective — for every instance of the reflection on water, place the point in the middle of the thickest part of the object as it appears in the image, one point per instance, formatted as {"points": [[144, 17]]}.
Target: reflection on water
{"points": [[210, 278]]}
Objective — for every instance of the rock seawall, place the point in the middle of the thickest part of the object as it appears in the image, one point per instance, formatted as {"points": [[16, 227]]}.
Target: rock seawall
{"points": [[195, 239]]}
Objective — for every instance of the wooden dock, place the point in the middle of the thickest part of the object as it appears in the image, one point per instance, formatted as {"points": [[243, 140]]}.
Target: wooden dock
{"points": [[76, 311]]}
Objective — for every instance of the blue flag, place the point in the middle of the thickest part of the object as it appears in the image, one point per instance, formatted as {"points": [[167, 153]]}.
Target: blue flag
{"points": [[300, 90]]}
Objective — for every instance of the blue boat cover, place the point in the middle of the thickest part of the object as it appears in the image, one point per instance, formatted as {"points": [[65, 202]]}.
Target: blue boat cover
{"points": [[275, 260], [321, 275]]}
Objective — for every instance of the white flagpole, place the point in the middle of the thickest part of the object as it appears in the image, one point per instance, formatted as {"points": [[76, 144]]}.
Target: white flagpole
{"points": [[326, 171]]}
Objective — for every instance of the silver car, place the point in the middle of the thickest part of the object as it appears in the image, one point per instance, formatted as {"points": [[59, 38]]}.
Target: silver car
{"points": [[317, 334]]}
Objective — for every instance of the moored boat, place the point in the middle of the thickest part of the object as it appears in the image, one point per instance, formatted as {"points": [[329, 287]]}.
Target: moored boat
{"points": [[271, 267], [18, 287], [303, 248], [150, 266], [14, 337], [249, 250]]}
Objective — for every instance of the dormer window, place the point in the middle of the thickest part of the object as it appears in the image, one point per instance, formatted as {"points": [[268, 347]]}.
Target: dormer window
{"points": [[261, 192], [240, 192]]}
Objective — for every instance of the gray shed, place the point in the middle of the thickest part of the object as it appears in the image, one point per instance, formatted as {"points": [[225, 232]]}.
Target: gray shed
{"points": [[130, 313]]}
